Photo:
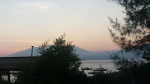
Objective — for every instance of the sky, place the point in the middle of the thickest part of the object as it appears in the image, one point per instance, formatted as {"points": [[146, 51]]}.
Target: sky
{"points": [[26, 23]]}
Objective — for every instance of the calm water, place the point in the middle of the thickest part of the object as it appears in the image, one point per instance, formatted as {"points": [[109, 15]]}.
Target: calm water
{"points": [[107, 64]]}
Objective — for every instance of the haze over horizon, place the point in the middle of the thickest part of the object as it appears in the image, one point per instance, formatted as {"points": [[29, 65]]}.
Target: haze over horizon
{"points": [[26, 23]]}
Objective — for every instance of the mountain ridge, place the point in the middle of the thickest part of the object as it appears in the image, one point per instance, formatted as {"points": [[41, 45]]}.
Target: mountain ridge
{"points": [[83, 54]]}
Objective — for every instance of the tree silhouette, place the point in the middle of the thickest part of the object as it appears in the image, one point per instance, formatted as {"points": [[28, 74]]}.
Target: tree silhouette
{"points": [[134, 35], [57, 64]]}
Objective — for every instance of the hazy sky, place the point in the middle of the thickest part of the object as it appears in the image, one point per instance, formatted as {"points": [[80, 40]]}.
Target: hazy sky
{"points": [[24, 23]]}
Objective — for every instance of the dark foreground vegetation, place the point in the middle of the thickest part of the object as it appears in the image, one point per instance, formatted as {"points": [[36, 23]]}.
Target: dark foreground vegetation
{"points": [[58, 63], [133, 36]]}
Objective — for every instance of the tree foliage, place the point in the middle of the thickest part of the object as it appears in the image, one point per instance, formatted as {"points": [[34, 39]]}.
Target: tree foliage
{"points": [[134, 35], [57, 64], [123, 63], [104, 78]]}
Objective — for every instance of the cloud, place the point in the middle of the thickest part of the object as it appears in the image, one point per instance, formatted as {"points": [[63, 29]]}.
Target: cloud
{"points": [[21, 7], [36, 6]]}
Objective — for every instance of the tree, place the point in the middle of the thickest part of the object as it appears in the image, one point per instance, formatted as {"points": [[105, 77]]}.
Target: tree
{"points": [[104, 78], [57, 64], [134, 35]]}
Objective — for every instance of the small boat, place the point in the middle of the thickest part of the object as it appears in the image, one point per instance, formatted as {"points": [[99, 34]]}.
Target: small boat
{"points": [[100, 69], [86, 68]]}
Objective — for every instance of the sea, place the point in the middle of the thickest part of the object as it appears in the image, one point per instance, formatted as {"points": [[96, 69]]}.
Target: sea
{"points": [[106, 64]]}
